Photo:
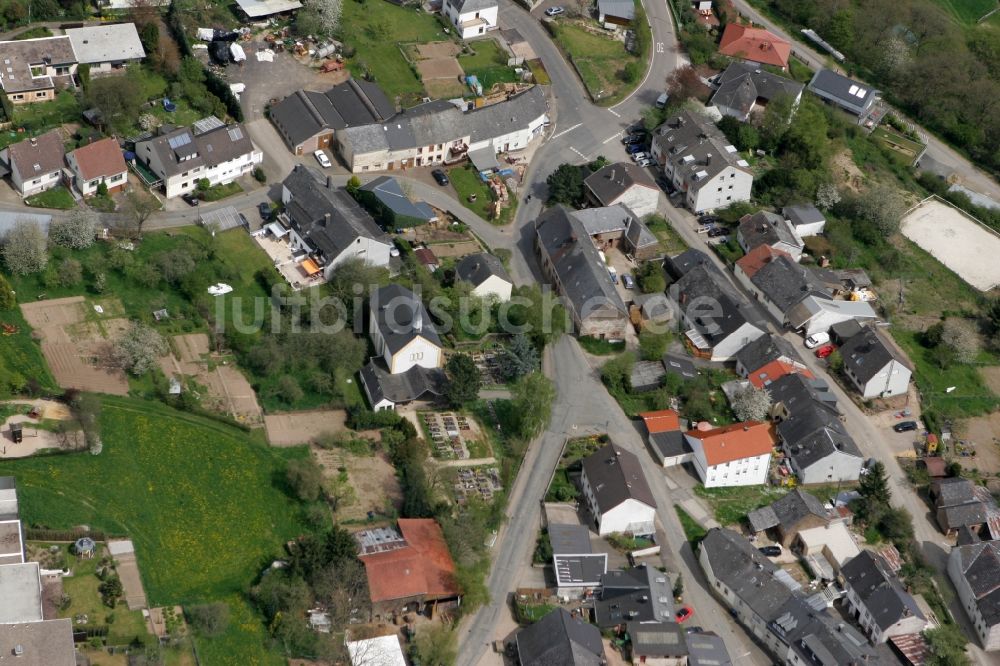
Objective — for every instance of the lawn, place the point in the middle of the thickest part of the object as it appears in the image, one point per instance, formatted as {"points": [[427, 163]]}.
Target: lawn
{"points": [[201, 501], [599, 59], [20, 354], [900, 147], [731, 505], [58, 197], [488, 63], [693, 531], [670, 240], [600, 347], [467, 183], [970, 396], [376, 29], [220, 191], [967, 12], [42, 116]]}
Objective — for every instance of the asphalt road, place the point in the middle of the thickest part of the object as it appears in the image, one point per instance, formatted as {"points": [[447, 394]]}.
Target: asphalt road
{"points": [[944, 157], [582, 407]]}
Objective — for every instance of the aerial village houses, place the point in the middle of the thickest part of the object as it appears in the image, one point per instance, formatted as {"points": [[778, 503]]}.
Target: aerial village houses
{"points": [[875, 365], [855, 98], [623, 183], [878, 601], [35, 165], [487, 275], [733, 455], [97, 163], [764, 228], [107, 48], [755, 45], [744, 88], [700, 162], [471, 18], [577, 567], [973, 567], [573, 265], [561, 638], [409, 570], [640, 594], [209, 150], [617, 493], [328, 224], [788, 516]]}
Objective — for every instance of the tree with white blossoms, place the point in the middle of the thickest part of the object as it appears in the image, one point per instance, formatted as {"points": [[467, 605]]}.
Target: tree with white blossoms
{"points": [[827, 196], [138, 349], [24, 248], [319, 17], [963, 339], [77, 231], [751, 404]]}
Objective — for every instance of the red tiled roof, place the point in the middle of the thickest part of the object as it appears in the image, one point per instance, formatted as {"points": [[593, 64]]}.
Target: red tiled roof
{"points": [[755, 44], [664, 420], [101, 158], [422, 568], [735, 442], [759, 257], [775, 370], [426, 256], [912, 647]]}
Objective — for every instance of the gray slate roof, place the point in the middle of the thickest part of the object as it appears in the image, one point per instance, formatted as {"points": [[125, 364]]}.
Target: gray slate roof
{"points": [[306, 113], [440, 121], [765, 349], [838, 88], [613, 180], [954, 490], [615, 475], [414, 384], [879, 590], [766, 228], [814, 430], [48, 643], [657, 639], [466, 6], [569, 539], [477, 268], [705, 300], [193, 149], [868, 352], [670, 444], [312, 200], [689, 135], [401, 317], [707, 649], [623, 9], [786, 512], [559, 639], [108, 42], [639, 594], [573, 559], [45, 155], [583, 277], [743, 83], [744, 570], [20, 55], [680, 366], [802, 214], [388, 191], [785, 283], [979, 564]]}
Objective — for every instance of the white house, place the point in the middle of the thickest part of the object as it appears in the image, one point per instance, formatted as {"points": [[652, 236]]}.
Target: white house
{"points": [[36, 164], [106, 48], [328, 224], [623, 183], [816, 314], [875, 365], [209, 150], [734, 455], [700, 162], [486, 274], [806, 219], [439, 132], [96, 163], [402, 331], [617, 493], [471, 18], [972, 568], [878, 601], [577, 567], [765, 228], [36, 69]]}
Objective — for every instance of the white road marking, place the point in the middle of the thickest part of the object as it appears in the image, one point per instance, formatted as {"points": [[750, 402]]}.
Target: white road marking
{"points": [[611, 138], [578, 152], [615, 113], [568, 129]]}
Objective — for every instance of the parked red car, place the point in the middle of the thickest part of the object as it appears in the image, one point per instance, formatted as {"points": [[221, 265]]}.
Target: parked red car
{"points": [[684, 614], [824, 351]]}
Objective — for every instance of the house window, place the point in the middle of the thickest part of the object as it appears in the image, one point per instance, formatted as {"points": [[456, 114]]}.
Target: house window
{"points": [[40, 94], [17, 97]]}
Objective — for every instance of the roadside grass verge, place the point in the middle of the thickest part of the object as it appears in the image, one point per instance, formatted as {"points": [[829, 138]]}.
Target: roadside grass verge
{"points": [[602, 62], [58, 197], [693, 531]]}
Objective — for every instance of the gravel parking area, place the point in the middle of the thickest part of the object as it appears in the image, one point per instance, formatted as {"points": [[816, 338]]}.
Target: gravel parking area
{"points": [[959, 241]]}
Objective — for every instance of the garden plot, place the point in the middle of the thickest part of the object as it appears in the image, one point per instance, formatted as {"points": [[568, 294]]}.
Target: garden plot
{"points": [[488, 363], [74, 341], [453, 435], [228, 391], [957, 240], [367, 484], [295, 428], [438, 67], [481, 482]]}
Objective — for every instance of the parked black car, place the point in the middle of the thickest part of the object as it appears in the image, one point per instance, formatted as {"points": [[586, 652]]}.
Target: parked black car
{"points": [[770, 551], [715, 232], [708, 219], [264, 209], [905, 426], [191, 199], [440, 176]]}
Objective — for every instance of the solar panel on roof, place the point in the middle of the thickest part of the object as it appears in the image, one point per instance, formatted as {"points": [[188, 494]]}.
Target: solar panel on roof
{"points": [[176, 142], [235, 133], [207, 124]]}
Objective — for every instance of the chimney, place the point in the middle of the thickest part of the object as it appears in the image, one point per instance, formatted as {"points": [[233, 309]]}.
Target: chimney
{"points": [[34, 141], [326, 219], [329, 182], [418, 319]]}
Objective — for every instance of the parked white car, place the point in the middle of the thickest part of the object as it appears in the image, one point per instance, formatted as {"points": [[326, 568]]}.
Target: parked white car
{"points": [[817, 339], [638, 157], [554, 11], [323, 160]]}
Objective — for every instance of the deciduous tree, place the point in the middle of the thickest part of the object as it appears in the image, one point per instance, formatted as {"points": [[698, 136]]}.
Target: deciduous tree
{"points": [[684, 84], [464, 379], [77, 231], [24, 248], [962, 338], [305, 479], [751, 403], [531, 399], [138, 349]]}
